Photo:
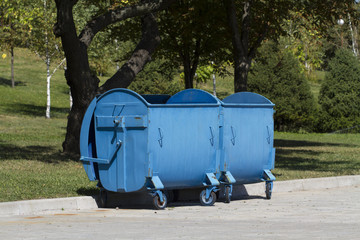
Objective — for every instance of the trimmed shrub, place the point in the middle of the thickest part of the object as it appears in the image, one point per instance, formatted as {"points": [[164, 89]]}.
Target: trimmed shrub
{"points": [[339, 96], [277, 75]]}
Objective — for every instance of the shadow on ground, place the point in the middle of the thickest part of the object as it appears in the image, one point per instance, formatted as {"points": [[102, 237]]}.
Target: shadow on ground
{"points": [[298, 155], [7, 82], [300, 144], [176, 198], [37, 153], [35, 111]]}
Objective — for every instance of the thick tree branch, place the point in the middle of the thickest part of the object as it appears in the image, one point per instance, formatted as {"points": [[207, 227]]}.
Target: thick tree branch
{"points": [[119, 14], [259, 41], [142, 54]]}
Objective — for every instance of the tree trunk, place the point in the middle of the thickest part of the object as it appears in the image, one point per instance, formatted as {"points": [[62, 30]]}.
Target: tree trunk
{"points": [[242, 60], [190, 64], [188, 77], [78, 75], [241, 71], [84, 86], [12, 67], [48, 77], [47, 59], [353, 31]]}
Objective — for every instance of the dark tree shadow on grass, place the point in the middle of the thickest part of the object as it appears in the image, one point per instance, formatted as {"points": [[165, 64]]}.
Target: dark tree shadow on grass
{"points": [[36, 111], [291, 155], [7, 82], [37, 153], [297, 143]]}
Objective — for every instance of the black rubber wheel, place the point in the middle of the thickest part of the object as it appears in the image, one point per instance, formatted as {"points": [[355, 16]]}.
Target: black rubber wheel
{"points": [[227, 194], [207, 202], [103, 198], [268, 190], [158, 204]]}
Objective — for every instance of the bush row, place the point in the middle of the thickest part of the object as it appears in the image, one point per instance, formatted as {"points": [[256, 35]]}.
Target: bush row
{"points": [[277, 75]]}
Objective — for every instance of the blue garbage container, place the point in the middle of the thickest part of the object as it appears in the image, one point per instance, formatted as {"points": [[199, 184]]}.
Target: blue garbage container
{"points": [[129, 144], [247, 143]]}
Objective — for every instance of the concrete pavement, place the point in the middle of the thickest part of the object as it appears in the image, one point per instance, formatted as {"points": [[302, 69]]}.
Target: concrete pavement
{"points": [[46, 206], [331, 213]]}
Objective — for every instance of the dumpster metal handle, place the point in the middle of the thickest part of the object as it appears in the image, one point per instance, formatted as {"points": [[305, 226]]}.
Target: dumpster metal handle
{"points": [[233, 133], [102, 160], [160, 137], [118, 145], [212, 137], [269, 136]]}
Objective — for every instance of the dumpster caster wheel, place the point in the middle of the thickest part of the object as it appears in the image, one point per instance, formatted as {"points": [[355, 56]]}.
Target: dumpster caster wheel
{"points": [[207, 202], [103, 197], [227, 195], [268, 190], [158, 204]]}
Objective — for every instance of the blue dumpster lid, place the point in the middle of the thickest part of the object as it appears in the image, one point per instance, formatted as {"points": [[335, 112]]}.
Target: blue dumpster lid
{"points": [[193, 96], [127, 91], [247, 99]]}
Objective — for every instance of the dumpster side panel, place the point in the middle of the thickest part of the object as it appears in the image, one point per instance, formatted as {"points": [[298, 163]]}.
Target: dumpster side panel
{"points": [[121, 137], [183, 141], [248, 141]]}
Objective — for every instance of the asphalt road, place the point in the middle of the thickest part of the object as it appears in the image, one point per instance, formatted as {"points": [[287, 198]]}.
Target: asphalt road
{"points": [[325, 214]]}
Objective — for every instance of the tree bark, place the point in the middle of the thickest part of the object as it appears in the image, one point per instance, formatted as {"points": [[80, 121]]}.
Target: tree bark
{"points": [[240, 44], [83, 84], [190, 64], [78, 75], [188, 77], [243, 52]]}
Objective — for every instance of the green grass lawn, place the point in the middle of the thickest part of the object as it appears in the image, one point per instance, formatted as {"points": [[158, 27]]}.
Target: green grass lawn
{"points": [[32, 165], [316, 155]]}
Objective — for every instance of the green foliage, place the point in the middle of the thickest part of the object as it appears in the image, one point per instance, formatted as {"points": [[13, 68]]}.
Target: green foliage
{"points": [[304, 40], [193, 33], [112, 46], [156, 78], [340, 93], [41, 39], [203, 73], [277, 75], [15, 22]]}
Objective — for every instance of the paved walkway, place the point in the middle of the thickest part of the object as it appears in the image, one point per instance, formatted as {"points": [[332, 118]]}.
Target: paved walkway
{"points": [[317, 214]]}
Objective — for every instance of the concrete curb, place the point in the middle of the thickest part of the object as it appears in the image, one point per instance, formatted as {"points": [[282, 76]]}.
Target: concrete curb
{"points": [[297, 185], [46, 206]]}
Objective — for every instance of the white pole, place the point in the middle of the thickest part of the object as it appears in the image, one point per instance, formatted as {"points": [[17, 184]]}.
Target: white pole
{"points": [[214, 80], [48, 76]]}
